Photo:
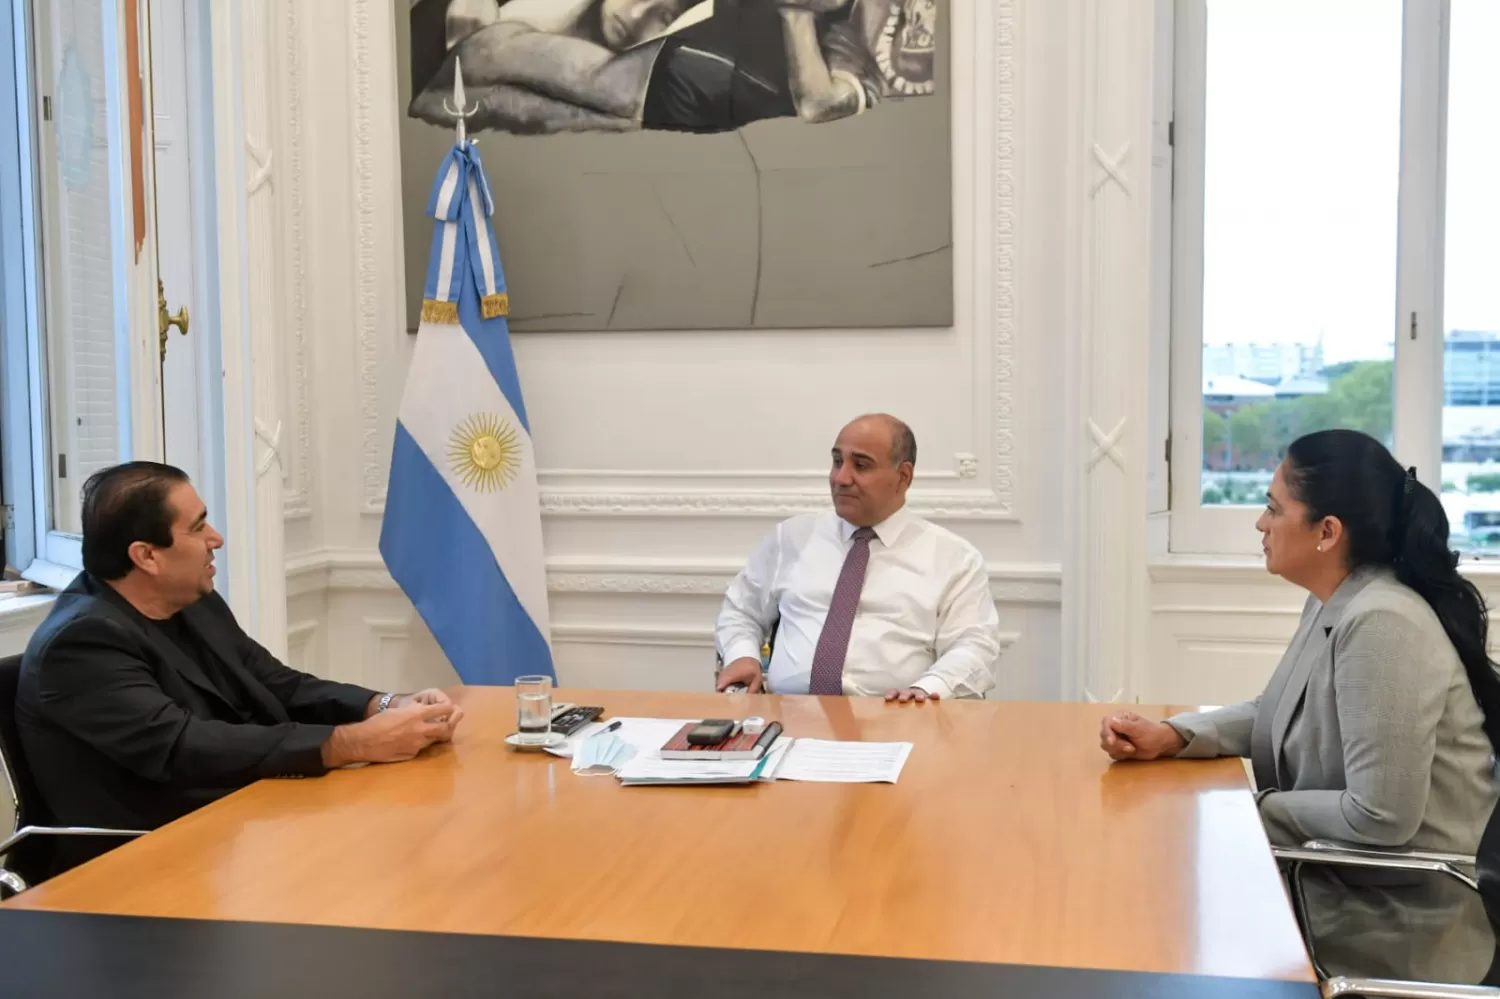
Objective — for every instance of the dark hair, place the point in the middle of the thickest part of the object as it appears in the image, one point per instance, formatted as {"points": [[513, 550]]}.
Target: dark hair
{"points": [[124, 504], [903, 441], [1391, 519]]}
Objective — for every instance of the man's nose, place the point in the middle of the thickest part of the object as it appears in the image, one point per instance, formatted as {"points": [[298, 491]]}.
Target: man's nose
{"points": [[843, 476]]}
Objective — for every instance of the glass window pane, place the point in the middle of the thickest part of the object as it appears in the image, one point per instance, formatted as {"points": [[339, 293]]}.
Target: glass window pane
{"points": [[80, 238], [1471, 280], [1301, 168]]}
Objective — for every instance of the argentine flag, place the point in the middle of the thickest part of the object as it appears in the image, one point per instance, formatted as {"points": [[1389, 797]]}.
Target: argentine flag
{"points": [[463, 526]]}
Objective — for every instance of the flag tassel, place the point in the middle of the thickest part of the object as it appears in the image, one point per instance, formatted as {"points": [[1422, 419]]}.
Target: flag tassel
{"points": [[495, 306], [434, 311]]}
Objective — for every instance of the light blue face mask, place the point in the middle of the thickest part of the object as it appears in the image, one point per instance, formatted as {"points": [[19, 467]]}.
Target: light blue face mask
{"points": [[605, 750]]}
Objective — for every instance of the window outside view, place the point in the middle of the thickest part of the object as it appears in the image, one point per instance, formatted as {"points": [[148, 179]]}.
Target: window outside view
{"points": [[1300, 243]]}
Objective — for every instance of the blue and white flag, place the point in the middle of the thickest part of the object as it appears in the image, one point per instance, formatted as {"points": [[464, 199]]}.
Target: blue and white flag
{"points": [[463, 525]]}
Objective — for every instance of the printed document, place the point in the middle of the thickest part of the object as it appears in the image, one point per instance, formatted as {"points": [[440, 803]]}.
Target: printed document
{"points": [[844, 762]]}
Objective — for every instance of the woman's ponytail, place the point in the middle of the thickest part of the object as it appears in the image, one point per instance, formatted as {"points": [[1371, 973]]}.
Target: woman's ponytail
{"points": [[1424, 562]]}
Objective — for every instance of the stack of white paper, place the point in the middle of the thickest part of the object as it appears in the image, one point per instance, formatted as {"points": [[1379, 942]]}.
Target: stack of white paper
{"points": [[844, 762], [820, 760]]}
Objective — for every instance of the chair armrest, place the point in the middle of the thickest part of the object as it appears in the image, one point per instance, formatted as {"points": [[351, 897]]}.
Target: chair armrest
{"points": [[26, 832], [1379, 988], [13, 881], [1371, 860], [1456, 859], [765, 686]]}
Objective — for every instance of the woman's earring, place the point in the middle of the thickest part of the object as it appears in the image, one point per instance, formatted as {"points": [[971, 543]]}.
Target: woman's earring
{"points": [[1320, 547]]}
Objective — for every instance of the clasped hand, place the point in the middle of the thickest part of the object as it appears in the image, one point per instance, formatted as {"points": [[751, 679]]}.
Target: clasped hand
{"points": [[1125, 735]]}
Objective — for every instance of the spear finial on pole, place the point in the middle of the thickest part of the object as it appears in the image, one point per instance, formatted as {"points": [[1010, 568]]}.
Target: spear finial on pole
{"points": [[458, 108]]}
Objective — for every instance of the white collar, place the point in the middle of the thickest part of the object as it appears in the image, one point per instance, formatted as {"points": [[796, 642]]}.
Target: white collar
{"points": [[889, 531]]}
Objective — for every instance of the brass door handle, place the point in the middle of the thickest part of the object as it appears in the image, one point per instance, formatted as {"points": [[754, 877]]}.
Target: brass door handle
{"points": [[165, 320]]}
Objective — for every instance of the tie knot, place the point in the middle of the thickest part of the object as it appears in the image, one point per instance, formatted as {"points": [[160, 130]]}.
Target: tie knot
{"points": [[864, 534]]}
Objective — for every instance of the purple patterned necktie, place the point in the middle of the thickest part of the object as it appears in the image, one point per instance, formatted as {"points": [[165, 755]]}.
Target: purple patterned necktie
{"points": [[833, 643]]}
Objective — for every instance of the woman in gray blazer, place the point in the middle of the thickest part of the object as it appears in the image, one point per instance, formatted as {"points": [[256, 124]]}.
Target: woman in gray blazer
{"points": [[1380, 726]]}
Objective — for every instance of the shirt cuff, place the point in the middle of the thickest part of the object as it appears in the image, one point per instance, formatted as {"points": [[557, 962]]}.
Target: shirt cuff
{"points": [[742, 648], [934, 687]]}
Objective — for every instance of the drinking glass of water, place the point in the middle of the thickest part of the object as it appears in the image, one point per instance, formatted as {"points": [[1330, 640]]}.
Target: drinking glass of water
{"points": [[533, 708]]}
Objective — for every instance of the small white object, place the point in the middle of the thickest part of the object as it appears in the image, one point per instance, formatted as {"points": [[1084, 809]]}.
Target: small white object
{"points": [[753, 725]]}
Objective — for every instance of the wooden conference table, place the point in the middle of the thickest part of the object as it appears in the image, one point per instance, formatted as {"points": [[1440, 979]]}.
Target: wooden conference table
{"points": [[1011, 859]]}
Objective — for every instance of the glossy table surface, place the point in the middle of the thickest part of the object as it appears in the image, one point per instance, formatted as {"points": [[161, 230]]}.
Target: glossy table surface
{"points": [[1010, 838]]}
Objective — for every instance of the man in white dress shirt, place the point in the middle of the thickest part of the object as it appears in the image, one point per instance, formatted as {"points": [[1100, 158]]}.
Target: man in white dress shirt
{"points": [[867, 599]]}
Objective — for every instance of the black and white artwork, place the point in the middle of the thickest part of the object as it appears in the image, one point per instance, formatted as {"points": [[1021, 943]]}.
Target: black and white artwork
{"points": [[538, 66], [694, 164]]}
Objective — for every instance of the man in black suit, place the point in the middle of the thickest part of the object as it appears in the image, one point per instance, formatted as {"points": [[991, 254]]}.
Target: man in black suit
{"points": [[141, 699]]}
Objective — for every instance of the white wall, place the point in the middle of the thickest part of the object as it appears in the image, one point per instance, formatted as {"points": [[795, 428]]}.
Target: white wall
{"points": [[665, 457]]}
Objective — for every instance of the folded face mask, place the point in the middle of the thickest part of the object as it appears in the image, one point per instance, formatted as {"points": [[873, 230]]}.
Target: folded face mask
{"points": [[603, 750]]}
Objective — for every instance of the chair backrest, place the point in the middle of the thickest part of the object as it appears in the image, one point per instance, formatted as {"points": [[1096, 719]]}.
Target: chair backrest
{"points": [[32, 857], [766, 651], [12, 759], [1487, 860]]}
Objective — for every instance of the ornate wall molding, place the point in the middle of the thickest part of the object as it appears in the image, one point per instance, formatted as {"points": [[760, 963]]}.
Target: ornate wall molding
{"points": [[374, 436], [302, 645], [673, 636], [936, 505], [1010, 583], [298, 473], [994, 311], [264, 280], [554, 477], [1105, 612], [1003, 216]]}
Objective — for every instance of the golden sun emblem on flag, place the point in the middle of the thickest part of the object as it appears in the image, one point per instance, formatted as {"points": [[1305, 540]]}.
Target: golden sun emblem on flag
{"points": [[485, 452]]}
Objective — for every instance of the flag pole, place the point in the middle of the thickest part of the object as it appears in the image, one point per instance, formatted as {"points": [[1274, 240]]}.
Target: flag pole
{"points": [[459, 109]]}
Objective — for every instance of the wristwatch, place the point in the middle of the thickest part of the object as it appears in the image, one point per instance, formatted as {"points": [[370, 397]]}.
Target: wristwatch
{"points": [[385, 702]]}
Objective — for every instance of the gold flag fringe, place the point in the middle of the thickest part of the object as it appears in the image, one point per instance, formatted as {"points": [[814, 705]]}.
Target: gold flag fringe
{"points": [[495, 306], [434, 311]]}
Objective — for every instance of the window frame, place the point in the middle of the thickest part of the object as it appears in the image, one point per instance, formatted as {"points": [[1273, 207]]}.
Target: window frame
{"points": [[1197, 530], [42, 554], [18, 361]]}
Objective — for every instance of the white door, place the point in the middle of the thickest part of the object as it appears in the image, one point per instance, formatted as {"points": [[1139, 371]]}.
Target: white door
{"points": [[182, 375]]}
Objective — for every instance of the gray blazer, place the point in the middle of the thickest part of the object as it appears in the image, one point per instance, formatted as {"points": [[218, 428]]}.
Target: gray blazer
{"points": [[1369, 734]]}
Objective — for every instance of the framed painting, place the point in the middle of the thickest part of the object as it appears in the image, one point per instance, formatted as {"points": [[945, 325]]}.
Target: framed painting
{"points": [[693, 164]]}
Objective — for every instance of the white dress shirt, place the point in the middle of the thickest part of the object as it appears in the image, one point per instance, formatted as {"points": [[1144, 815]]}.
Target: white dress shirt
{"points": [[925, 619]]}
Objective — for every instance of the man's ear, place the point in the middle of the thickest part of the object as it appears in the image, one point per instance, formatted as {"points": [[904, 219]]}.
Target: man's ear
{"points": [[144, 557], [906, 470]]}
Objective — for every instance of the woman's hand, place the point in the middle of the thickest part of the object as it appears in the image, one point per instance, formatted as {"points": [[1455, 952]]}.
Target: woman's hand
{"points": [[1127, 736]]}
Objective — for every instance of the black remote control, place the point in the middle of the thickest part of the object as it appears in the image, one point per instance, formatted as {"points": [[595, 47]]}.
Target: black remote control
{"points": [[571, 721]]}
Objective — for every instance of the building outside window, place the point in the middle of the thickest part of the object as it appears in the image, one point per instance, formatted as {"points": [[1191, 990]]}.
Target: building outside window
{"points": [[1334, 259]]}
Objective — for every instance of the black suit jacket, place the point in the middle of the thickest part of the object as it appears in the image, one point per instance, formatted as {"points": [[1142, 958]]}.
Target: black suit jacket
{"points": [[122, 729]]}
